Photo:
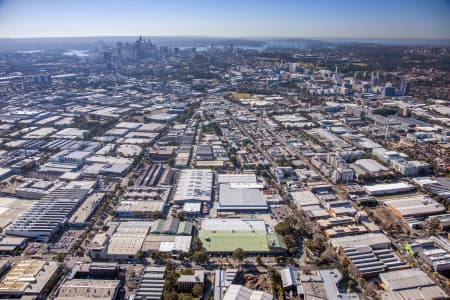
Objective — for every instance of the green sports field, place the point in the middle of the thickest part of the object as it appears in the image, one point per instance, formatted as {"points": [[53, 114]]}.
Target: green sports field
{"points": [[227, 241]]}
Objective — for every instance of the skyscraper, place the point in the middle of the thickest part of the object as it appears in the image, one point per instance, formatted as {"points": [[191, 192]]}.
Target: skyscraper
{"points": [[404, 87]]}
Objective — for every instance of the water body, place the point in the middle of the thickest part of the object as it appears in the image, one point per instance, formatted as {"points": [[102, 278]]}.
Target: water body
{"points": [[392, 42], [30, 51], [79, 53]]}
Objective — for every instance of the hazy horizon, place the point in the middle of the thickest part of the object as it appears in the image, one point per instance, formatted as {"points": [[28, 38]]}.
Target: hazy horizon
{"points": [[90, 43], [402, 19]]}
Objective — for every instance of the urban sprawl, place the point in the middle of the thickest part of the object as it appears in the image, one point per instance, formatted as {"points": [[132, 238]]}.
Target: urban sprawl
{"points": [[136, 171]]}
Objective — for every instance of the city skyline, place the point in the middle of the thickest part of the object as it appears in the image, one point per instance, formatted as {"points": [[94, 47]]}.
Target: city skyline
{"points": [[245, 19]]}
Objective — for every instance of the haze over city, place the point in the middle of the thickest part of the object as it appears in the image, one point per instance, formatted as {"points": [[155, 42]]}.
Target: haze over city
{"points": [[417, 19]]}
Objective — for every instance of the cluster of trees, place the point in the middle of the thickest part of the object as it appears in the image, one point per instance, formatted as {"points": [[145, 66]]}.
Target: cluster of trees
{"points": [[347, 269], [95, 127], [170, 288], [239, 254], [364, 178], [323, 253], [317, 244], [189, 113], [433, 226], [158, 257], [213, 128], [198, 254], [104, 207], [291, 225], [292, 229], [276, 283]]}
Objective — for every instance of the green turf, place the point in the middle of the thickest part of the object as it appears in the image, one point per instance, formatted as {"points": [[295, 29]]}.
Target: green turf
{"points": [[226, 241]]}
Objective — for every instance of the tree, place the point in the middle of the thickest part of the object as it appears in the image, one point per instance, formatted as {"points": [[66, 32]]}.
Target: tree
{"points": [[200, 256], [434, 225], [185, 296], [171, 161], [350, 285], [180, 215], [259, 260], [197, 290], [280, 259], [170, 283], [277, 286], [328, 256], [290, 243], [140, 254], [181, 256], [60, 257], [291, 225], [170, 295], [239, 254], [318, 244], [197, 244], [187, 271], [156, 256]]}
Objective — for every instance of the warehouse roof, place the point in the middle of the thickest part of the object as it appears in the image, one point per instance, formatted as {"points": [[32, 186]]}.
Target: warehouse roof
{"points": [[194, 185], [185, 228], [28, 277], [370, 165], [241, 198], [388, 188], [47, 215], [368, 239], [240, 292], [304, 198], [418, 205], [427, 292], [233, 225], [179, 244], [87, 289], [130, 207], [151, 284], [238, 178], [405, 279], [128, 238]]}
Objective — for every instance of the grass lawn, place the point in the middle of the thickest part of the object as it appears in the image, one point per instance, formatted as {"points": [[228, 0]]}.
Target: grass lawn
{"points": [[360, 64], [227, 241], [241, 96]]}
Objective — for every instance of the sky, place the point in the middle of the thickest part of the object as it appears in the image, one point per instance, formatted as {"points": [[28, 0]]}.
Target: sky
{"points": [[385, 19]]}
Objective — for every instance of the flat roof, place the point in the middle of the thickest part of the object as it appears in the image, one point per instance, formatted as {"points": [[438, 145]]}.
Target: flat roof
{"points": [[151, 284], [237, 178], [241, 198], [12, 208], [367, 239], [194, 185], [370, 165], [129, 125], [4, 171], [304, 198], [415, 205], [387, 188], [406, 279], [240, 292], [28, 277], [427, 292], [87, 289]]}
